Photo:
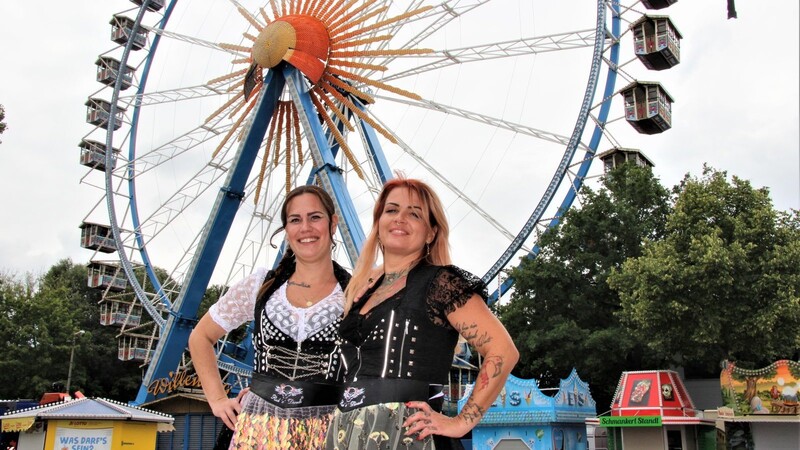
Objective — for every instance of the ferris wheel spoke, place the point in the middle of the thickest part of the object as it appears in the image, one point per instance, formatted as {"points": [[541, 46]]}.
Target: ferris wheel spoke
{"points": [[180, 201], [507, 49], [481, 118], [168, 151], [173, 95], [194, 41], [442, 14], [452, 187]]}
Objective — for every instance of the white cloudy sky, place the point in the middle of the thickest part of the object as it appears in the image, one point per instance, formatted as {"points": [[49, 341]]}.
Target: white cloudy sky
{"points": [[736, 109]]}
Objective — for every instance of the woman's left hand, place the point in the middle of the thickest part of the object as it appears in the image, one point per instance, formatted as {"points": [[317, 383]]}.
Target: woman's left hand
{"points": [[426, 422]]}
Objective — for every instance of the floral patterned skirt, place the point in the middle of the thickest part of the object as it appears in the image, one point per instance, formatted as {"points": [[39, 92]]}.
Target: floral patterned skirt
{"points": [[374, 427], [264, 426]]}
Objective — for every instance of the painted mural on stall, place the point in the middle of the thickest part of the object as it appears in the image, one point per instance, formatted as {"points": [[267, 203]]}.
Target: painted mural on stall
{"points": [[769, 390]]}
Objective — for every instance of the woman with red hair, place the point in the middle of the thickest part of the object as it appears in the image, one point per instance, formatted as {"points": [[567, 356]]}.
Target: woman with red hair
{"points": [[400, 335]]}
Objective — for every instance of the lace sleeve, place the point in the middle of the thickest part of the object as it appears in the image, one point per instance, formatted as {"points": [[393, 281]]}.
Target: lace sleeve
{"points": [[237, 305], [450, 290]]}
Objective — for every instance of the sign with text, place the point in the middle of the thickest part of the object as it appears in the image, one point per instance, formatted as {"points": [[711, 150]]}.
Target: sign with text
{"points": [[20, 424], [83, 438], [630, 421]]}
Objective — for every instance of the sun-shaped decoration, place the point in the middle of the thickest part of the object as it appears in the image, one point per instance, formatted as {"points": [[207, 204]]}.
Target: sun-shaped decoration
{"points": [[324, 40]]}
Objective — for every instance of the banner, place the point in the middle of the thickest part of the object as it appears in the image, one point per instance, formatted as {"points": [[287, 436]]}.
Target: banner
{"points": [[630, 421], [19, 424]]}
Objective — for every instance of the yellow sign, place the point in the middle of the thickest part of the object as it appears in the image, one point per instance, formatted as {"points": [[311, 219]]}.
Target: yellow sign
{"points": [[19, 424]]}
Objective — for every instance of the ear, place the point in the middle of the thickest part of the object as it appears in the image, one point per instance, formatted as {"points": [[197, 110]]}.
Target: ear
{"points": [[334, 224], [432, 234]]}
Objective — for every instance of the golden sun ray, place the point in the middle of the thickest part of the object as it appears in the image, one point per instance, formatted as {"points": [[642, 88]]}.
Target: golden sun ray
{"points": [[330, 43]]}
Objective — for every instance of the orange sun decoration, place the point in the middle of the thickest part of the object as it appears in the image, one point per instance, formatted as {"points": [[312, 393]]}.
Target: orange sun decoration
{"points": [[328, 41]]}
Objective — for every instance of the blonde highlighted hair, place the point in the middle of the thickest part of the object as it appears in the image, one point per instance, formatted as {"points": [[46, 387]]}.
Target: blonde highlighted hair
{"points": [[439, 253]]}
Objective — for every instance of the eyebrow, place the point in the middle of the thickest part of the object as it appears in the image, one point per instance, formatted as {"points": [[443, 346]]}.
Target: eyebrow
{"points": [[308, 214], [398, 205]]}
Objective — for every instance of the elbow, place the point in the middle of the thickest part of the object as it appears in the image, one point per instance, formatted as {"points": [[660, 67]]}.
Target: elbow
{"points": [[197, 340], [193, 342], [513, 356]]}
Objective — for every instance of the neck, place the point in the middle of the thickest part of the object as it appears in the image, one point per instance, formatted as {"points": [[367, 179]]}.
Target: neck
{"points": [[394, 264], [313, 271]]}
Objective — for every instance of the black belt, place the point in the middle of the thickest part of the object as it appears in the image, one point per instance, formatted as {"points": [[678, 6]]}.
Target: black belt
{"points": [[295, 394], [373, 391]]}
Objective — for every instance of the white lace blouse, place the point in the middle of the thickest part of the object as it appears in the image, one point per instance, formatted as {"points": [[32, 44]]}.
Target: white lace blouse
{"points": [[237, 307]]}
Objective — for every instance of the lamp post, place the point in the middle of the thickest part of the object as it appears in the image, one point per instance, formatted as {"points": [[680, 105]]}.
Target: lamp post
{"points": [[72, 358]]}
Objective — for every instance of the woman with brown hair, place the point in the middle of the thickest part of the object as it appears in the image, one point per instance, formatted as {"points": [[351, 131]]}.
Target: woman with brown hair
{"points": [[297, 309], [399, 336]]}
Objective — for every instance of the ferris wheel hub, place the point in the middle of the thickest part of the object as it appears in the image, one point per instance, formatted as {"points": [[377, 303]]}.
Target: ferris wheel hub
{"points": [[301, 40]]}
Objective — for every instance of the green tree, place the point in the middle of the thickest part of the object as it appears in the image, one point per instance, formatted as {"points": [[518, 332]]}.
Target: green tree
{"points": [[2, 120], [724, 283], [562, 312], [96, 371], [38, 320]]}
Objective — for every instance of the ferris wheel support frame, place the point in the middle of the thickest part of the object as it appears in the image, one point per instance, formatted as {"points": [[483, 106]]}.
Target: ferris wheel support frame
{"points": [[175, 333], [177, 326]]}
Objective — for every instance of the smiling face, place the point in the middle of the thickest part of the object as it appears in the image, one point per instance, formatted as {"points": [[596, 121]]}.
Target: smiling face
{"points": [[403, 227], [309, 228]]}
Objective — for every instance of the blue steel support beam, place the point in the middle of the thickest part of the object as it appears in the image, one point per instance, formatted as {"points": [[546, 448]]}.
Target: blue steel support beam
{"points": [[375, 149], [179, 325], [330, 174]]}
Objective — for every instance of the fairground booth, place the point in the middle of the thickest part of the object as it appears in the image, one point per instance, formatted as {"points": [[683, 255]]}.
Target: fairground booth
{"points": [[761, 406], [652, 410], [86, 424], [524, 418]]}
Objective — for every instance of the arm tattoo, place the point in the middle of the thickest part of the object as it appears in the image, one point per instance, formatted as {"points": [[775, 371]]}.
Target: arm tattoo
{"points": [[471, 333], [471, 412], [492, 368]]}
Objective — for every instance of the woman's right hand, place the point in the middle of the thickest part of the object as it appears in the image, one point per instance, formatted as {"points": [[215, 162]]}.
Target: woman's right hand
{"points": [[226, 409]]}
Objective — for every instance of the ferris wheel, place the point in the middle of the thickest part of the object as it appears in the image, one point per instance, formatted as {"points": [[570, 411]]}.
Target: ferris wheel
{"points": [[210, 111]]}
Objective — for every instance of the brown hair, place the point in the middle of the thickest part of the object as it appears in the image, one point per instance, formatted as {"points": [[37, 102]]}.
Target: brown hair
{"points": [[439, 253], [288, 255]]}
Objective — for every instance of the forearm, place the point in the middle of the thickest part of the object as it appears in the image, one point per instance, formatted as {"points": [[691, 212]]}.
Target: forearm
{"points": [[491, 379], [481, 329]]}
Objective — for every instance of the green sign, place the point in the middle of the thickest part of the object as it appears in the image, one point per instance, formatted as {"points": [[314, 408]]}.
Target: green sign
{"points": [[630, 421]]}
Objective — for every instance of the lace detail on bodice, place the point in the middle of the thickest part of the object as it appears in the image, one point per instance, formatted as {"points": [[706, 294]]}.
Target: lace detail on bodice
{"points": [[237, 305], [300, 323]]}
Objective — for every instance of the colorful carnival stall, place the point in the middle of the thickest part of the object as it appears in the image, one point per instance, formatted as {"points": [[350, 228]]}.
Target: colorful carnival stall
{"points": [[524, 418], [652, 410], [762, 409]]}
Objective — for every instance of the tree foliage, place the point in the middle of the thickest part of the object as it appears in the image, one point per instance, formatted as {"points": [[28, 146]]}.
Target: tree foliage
{"points": [[39, 318], [2, 120], [562, 313], [724, 283]]}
